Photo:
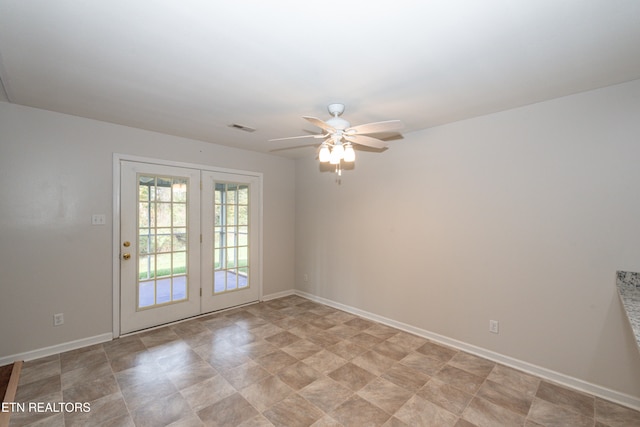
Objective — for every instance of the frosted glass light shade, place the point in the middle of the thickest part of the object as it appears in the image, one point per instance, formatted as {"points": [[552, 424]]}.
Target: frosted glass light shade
{"points": [[338, 149], [324, 155], [349, 154], [334, 158]]}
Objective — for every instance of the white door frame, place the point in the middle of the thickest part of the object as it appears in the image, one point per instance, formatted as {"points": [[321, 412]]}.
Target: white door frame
{"points": [[117, 158]]}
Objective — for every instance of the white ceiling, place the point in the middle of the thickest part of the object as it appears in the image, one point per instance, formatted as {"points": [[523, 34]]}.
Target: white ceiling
{"points": [[193, 67]]}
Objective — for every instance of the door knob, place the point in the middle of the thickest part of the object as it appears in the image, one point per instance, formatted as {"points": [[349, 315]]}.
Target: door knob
{"points": [[126, 256], [126, 244]]}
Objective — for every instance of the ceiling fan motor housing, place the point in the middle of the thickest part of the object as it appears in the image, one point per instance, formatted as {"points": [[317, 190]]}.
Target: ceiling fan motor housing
{"points": [[338, 123], [336, 109]]}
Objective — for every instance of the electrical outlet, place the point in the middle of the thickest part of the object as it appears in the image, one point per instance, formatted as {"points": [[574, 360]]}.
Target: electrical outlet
{"points": [[493, 326], [58, 319]]}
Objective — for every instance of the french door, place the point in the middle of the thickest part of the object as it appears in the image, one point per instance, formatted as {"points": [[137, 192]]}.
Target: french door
{"points": [[189, 242]]}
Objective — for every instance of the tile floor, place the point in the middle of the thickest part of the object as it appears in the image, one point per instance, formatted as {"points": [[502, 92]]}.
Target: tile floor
{"points": [[293, 362]]}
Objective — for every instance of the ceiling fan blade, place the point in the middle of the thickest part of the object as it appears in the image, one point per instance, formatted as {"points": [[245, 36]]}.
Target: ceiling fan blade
{"points": [[298, 137], [275, 150], [366, 141], [377, 127], [320, 124]]}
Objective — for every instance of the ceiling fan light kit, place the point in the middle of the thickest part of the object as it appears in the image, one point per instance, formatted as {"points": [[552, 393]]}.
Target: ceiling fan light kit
{"points": [[340, 137]]}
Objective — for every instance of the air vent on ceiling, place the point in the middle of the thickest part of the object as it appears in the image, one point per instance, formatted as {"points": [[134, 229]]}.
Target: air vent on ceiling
{"points": [[242, 127]]}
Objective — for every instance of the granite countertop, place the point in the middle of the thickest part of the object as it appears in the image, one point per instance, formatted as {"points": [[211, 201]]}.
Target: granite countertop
{"points": [[628, 284]]}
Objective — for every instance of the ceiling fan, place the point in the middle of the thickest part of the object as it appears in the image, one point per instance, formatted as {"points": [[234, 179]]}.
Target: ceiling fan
{"points": [[340, 137]]}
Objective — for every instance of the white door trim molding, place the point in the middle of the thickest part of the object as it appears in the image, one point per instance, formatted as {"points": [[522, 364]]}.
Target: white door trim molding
{"points": [[117, 158]]}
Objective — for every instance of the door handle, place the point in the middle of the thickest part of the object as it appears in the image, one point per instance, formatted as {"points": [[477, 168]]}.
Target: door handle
{"points": [[126, 244], [126, 256]]}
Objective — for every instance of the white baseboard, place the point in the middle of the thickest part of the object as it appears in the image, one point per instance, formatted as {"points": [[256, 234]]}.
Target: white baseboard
{"points": [[278, 295], [55, 349], [571, 382]]}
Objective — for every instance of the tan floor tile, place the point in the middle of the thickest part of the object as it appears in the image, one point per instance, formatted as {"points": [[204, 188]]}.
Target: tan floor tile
{"points": [[222, 359], [460, 379], [340, 317], [395, 422], [275, 361], [323, 338], [358, 412], [343, 331], [131, 360], [483, 413], [123, 346], [385, 395], [391, 350], [325, 361], [245, 374], [408, 342], [143, 373], [73, 360], [373, 362], [171, 348], [445, 395], [360, 323], [162, 411], [85, 373], [515, 379], [257, 421], [322, 323], [230, 411], [191, 420], [197, 340], [144, 393], [27, 417], [36, 389], [189, 328], [266, 392], [158, 337], [92, 389], [420, 412], [282, 339], [326, 421], [40, 369], [208, 392], [422, 363], [298, 375], [473, 364], [570, 399], [347, 350], [615, 415], [186, 376], [382, 331], [550, 415], [437, 351], [293, 411], [326, 393], [513, 400], [363, 339], [258, 348], [102, 410], [406, 377], [294, 361], [302, 349], [352, 376]]}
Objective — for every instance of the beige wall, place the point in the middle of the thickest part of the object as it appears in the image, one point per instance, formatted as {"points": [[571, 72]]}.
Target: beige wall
{"points": [[55, 172], [521, 216]]}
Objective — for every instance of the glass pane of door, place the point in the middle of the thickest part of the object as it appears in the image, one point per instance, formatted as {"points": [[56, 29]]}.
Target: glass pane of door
{"points": [[231, 239], [160, 275], [162, 240], [231, 262]]}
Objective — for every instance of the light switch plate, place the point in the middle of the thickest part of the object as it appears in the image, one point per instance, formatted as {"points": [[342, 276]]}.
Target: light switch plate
{"points": [[98, 219]]}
